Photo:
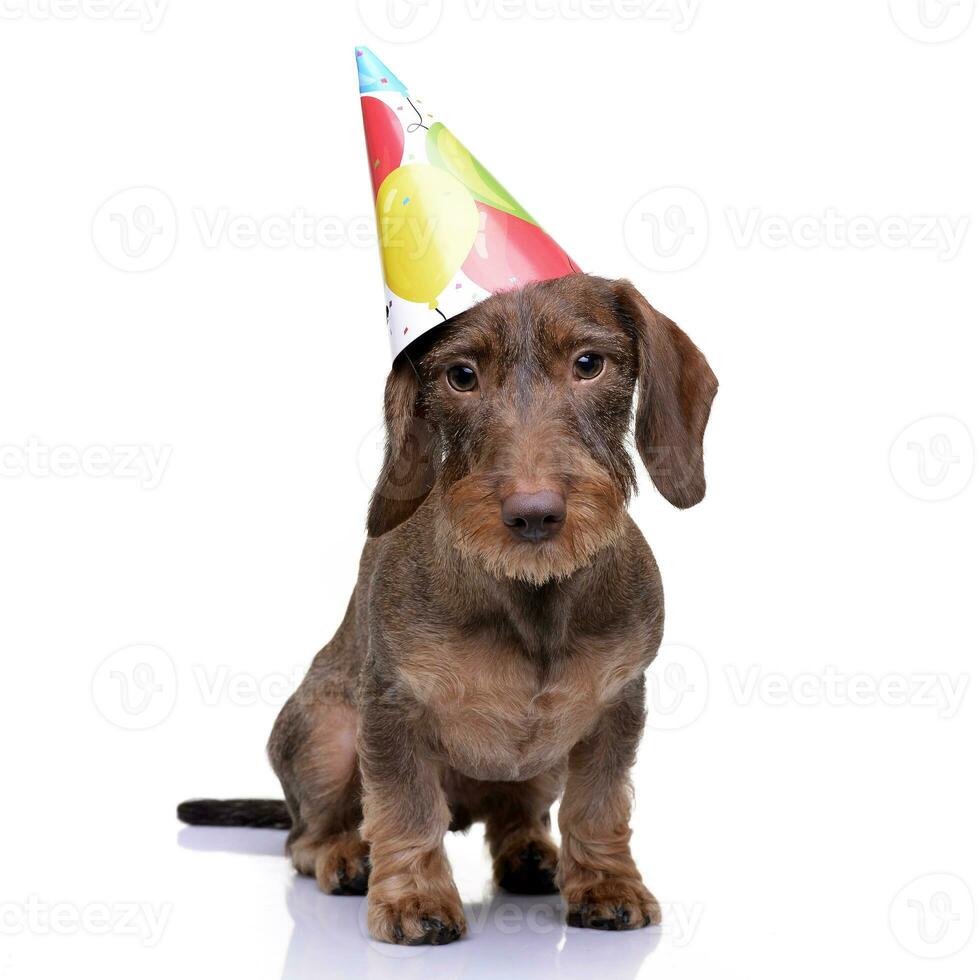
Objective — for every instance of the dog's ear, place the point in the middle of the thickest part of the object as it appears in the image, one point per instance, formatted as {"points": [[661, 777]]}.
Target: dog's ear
{"points": [[675, 390], [408, 471]]}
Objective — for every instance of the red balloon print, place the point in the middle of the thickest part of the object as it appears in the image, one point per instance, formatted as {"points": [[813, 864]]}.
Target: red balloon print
{"points": [[385, 139], [510, 252]]}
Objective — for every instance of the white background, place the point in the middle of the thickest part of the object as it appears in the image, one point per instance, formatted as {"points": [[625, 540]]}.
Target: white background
{"points": [[806, 794]]}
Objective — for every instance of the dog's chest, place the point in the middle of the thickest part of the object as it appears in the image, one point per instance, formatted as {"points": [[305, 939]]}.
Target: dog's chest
{"points": [[498, 715]]}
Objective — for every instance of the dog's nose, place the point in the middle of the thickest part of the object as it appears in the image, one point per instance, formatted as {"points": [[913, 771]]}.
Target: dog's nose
{"points": [[534, 516]]}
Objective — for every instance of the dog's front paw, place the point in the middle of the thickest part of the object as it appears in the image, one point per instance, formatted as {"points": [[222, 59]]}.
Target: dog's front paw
{"points": [[528, 868], [613, 904], [416, 919]]}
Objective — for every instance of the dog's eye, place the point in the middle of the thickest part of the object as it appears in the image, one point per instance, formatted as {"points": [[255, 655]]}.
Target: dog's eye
{"points": [[461, 377], [589, 366]]}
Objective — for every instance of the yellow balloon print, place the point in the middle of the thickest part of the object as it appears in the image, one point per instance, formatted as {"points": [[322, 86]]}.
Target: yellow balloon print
{"points": [[427, 223]]}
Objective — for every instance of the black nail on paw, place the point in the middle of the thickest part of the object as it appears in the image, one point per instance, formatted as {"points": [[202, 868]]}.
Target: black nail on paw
{"points": [[437, 933], [587, 917], [580, 916], [607, 925], [351, 885]]}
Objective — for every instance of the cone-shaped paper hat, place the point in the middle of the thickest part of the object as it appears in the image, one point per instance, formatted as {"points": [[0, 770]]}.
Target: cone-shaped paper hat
{"points": [[450, 234]]}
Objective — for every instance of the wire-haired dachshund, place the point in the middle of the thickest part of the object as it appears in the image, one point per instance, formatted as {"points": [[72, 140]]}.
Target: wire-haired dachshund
{"points": [[491, 658]]}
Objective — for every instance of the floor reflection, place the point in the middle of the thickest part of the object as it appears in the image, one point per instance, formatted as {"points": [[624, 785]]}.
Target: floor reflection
{"points": [[510, 936], [234, 840]]}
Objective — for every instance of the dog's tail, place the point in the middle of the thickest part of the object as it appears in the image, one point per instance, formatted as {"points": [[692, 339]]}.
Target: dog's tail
{"points": [[235, 813]]}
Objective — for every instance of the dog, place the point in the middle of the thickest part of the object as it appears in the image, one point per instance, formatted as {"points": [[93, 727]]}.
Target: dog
{"points": [[492, 656]]}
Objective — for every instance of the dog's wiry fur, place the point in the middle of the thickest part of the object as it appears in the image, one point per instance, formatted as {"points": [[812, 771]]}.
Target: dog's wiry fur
{"points": [[477, 676]]}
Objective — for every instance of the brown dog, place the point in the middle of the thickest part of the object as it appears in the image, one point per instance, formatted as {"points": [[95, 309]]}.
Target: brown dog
{"points": [[492, 655]]}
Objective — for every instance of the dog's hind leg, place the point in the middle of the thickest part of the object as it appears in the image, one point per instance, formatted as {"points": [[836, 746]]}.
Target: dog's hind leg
{"points": [[525, 858], [313, 752]]}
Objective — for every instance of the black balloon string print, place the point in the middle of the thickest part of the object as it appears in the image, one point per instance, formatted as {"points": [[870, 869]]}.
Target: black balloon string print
{"points": [[414, 126]]}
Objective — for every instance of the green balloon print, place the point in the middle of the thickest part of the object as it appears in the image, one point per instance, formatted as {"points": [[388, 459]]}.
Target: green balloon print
{"points": [[446, 152]]}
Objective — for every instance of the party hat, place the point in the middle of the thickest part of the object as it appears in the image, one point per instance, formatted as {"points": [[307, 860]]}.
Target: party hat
{"points": [[450, 235]]}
